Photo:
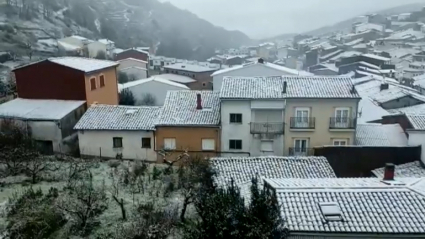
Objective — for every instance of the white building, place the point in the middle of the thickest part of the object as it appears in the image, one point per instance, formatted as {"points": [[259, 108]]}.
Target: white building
{"points": [[110, 131], [417, 132], [49, 122], [155, 86], [103, 45], [135, 73], [129, 62], [258, 68]]}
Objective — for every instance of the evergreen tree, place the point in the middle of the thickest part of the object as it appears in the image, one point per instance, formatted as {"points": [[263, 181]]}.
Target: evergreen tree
{"points": [[127, 98]]}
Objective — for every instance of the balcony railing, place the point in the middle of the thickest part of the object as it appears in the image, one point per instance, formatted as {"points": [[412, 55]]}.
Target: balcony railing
{"points": [[267, 128], [303, 123], [301, 151], [342, 123]]}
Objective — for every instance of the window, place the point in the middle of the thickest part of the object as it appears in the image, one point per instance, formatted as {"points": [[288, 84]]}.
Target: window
{"points": [[267, 146], [331, 211], [235, 144], [117, 142], [146, 143], [102, 81], [341, 117], [93, 83], [340, 142], [236, 118], [208, 144], [151, 62], [300, 146], [169, 143], [302, 117]]}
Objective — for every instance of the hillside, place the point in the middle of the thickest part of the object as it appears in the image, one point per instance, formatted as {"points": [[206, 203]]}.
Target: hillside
{"points": [[175, 32]]}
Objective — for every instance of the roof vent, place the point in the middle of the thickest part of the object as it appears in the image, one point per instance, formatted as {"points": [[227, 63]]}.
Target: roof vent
{"points": [[331, 211], [130, 112]]}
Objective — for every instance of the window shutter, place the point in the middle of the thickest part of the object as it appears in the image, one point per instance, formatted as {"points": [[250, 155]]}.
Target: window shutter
{"points": [[102, 80], [93, 83]]}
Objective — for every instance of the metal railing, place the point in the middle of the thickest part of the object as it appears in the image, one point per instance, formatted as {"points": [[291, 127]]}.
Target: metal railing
{"points": [[303, 123], [267, 128], [342, 123], [301, 151]]}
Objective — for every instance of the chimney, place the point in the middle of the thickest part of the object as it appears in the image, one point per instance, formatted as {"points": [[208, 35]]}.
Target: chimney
{"points": [[389, 171], [384, 86], [261, 60], [285, 85], [198, 101]]}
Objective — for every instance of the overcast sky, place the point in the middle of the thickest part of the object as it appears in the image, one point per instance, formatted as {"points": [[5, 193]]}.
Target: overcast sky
{"points": [[266, 18]]}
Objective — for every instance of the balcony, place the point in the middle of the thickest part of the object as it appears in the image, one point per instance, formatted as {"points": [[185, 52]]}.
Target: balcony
{"points": [[303, 123], [301, 151], [341, 123], [267, 128]]}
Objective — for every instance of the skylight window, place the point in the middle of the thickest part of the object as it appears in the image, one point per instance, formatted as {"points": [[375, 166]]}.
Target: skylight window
{"points": [[331, 211]]}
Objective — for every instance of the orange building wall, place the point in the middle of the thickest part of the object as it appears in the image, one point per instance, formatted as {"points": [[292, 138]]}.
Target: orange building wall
{"points": [[103, 95]]}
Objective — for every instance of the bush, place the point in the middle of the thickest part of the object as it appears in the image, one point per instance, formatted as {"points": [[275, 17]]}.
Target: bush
{"points": [[127, 98], [123, 77], [34, 215]]}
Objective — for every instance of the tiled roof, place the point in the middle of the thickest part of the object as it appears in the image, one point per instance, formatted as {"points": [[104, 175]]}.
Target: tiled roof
{"points": [[83, 64], [155, 78], [180, 109], [414, 110], [367, 206], [192, 67], [407, 170], [380, 135], [33, 109], [114, 117], [283, 69], [243, 169], [297, 87], [417, 121]]}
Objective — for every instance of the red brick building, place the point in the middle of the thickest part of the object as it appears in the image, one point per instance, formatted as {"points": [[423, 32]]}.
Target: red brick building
{"points": [[133, 53], [69, 78]]}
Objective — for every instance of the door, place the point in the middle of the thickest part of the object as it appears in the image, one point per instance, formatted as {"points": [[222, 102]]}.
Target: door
{"points": [[300, 147], [342, 117], [302, 118]]}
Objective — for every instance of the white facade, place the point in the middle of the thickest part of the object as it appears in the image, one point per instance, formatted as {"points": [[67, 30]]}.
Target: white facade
{"points": [[95, 47], [135, 73], [129, 62], [155, 86], [253, 130], [100, 144], [417, 138]]}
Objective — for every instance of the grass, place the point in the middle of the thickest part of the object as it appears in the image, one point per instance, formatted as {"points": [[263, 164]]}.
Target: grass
{"points": [[101, 172]]}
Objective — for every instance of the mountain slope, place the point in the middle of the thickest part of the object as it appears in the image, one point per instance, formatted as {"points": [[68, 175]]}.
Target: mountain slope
{"points": [[175, 32]]}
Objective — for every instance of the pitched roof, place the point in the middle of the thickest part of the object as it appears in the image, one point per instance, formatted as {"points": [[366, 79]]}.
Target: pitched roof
{"points": [[82, 64], [132, 59], [417, 121], [156, 78], [370, 111], [297, 87], [177, 78], [38, 109], [407, 170], [380, 135], [414, 110], [283, 69], [118, 117], [243, 169], [180, 109], [366, 205], [192, 67]]}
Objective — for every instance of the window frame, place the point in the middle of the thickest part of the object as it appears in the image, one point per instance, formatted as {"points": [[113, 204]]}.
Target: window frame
{"points": [[114, 142], [235, 117], [150, 143], [306, 144], [266, 141], [100, 81], [175, 143], [235, 141], [93, 79], [208, 149], [339, 142]]}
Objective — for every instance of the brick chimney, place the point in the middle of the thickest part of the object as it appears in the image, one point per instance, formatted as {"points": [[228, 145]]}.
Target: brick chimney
{"points": [[389, 171], [198, 101]]}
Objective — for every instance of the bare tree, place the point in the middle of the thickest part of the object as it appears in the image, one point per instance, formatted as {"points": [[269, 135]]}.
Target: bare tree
{"points": [[115, 191], [37, 166], [148, 99]]}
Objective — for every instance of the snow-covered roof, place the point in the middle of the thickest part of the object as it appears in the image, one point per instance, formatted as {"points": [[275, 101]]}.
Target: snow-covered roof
{"points": [[117, 50], [297, 87], [134, 67], [243, 169], [345, 55], [192, 67], [381, 58], [417, 121], [380, 135], [407, 170], [118, 117], [283, 69], [38, 109], [136, 49], [354, 42], [180, 109], [78, 63], [133, 59], [177, 78], [414, 110], [369, 26], [106, 41], [156, 78], [406, 34], [79, 37], [370, 111], [366, 206], [69, 47]]}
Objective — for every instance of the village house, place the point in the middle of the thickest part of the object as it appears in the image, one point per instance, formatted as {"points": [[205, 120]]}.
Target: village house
{"points": [[287, 115], [49, 122], [199, 72], [184, 80], [69, 78], [122, 132], [153, 90], [134, 53], [189, 122], [381, 135], [257, 68]]}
